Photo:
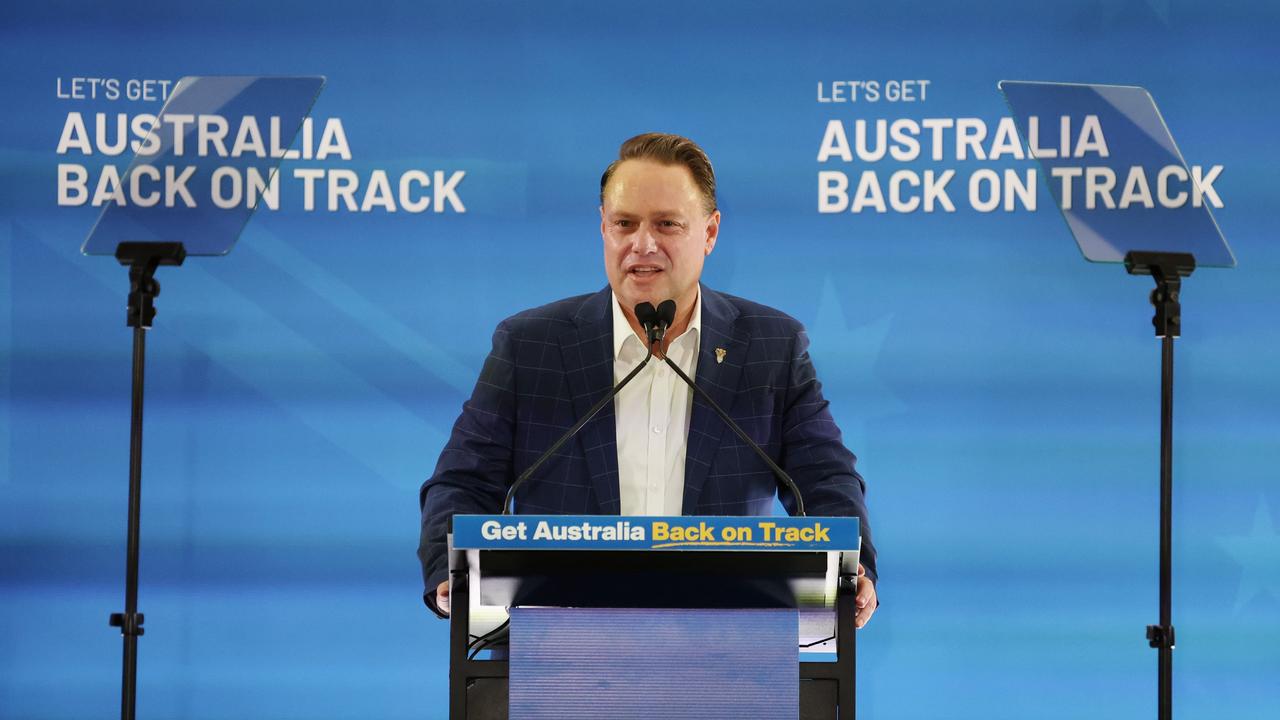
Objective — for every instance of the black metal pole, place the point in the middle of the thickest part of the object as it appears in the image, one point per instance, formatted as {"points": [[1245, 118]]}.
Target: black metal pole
{"points": [[142, 260], [459, 633], [1167, 269], [130, 622], [1165, 664], [846, 642]]}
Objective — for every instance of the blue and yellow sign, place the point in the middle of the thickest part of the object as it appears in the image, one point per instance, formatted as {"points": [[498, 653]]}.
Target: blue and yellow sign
{"points": [[613, 532]]}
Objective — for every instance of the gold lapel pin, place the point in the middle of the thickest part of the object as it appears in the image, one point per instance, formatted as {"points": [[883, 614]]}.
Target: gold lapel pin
{"points": [[720, 353]]}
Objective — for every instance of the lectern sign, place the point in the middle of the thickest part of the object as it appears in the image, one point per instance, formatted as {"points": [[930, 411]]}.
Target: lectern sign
{"points": [[613, 532]]}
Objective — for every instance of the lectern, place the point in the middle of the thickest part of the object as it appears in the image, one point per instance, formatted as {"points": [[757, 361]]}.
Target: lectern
{"points": [[800, 574]]}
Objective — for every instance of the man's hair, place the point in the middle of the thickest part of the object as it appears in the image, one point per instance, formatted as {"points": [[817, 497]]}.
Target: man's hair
{"points": [[668, 149]]}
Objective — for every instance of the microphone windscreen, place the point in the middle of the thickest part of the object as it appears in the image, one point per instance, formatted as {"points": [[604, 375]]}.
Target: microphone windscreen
{"points": [[646, 315], [667, 312]]}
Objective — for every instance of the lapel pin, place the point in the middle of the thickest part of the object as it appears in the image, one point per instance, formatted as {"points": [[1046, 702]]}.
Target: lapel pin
{"points": [[720, 353]]}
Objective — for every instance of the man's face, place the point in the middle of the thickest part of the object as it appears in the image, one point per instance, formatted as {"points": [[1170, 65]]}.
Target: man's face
{"points": [[656, 234]]}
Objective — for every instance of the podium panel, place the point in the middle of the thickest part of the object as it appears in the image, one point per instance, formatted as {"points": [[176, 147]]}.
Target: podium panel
{"points": [[653, 589], [590, 663]]}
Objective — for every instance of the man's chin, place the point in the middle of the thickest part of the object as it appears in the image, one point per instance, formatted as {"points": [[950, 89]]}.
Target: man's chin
{"points": [[631, 297]]}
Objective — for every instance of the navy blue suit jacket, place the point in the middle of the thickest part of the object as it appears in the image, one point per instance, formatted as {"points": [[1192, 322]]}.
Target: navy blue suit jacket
{"points": [[550, 364]]}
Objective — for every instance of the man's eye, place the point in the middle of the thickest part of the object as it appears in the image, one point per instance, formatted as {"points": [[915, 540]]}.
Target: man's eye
{"points": [[622, 223]]}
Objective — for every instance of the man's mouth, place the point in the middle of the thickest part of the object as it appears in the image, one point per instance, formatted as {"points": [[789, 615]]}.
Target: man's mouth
{"points": [[645, 271]]}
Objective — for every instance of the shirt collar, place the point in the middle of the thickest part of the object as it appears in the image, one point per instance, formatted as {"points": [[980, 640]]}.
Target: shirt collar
{"points": [[622, 329]]}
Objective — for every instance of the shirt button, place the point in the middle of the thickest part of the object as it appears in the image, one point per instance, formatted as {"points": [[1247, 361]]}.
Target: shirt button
{"points": [[657, 430]]}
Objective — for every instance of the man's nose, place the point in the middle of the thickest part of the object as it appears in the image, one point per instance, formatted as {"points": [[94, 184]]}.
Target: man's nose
{"points": [[644, 243]]}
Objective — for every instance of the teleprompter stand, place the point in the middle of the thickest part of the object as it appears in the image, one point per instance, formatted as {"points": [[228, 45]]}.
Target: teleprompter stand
{"points": [[1167, 269], [142, 259], [1167, 241], [141, 236]]}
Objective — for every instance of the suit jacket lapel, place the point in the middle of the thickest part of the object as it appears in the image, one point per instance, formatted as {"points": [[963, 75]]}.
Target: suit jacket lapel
{"points": [[720, 381], [588, 362]]}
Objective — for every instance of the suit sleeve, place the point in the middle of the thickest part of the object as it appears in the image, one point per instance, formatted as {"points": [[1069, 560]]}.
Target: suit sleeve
{"points": [[475, 467], [813, 453]]}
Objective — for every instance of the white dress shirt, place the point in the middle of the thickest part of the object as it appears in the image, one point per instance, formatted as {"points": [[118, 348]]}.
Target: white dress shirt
{"points": [[652, 416]]}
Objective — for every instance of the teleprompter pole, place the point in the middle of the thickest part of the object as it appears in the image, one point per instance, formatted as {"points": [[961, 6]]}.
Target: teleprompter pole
{"points": [[1167, 269], [142, 260]]}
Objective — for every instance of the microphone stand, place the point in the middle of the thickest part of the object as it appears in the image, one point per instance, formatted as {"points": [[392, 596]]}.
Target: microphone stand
{"points": [[642, 313], [742, 435], [666, 316], [656, 322]]}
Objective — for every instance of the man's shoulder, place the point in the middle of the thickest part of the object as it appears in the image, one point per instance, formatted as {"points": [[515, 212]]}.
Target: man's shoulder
{"points": [[752, 315], [553, 316]]}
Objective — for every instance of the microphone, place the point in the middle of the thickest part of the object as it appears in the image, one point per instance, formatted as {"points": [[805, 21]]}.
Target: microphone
{"points": [[651, 322], [648, 318], [656, 322], [666, 315]]}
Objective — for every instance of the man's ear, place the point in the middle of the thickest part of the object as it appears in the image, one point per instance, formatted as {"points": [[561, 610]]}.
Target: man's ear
{"points": [[601, 221], [713, 231]]}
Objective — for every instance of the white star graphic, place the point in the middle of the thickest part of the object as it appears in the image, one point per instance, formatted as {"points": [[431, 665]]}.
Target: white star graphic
{"points": [[1258, 554], [1161, 8], [846, 359], [1123, 11]]}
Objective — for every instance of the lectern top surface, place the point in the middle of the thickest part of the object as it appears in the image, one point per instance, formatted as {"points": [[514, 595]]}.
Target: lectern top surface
{"points": [[204, 164]]}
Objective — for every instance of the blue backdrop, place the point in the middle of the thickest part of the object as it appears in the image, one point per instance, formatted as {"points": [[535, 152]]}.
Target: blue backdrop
{"points": [[1001, 393]]}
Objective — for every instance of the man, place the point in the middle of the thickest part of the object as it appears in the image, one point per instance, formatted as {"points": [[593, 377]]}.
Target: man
{"points": [[658, 450]]}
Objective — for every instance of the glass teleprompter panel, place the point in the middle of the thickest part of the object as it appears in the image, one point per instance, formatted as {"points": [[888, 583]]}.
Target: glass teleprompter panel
{"points": [[1116, 173], [202, 166]]}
